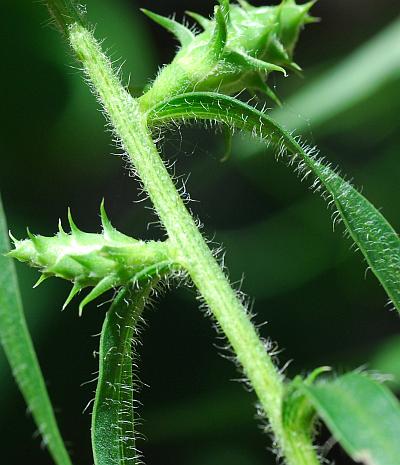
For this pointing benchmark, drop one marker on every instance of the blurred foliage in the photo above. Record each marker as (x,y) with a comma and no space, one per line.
(386,360)
(349,82)
(319,305)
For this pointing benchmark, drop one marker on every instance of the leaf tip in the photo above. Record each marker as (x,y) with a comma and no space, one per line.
(105,221)
(76,288)
(42,278)
(72,225)
(14,240)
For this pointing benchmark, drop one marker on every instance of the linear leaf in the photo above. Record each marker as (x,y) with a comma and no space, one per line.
(371,232)
(363,415)
(18,346)
(113,434)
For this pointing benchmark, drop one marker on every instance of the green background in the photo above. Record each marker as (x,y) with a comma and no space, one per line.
(303,278)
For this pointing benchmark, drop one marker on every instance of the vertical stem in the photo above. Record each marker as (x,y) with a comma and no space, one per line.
(190,248)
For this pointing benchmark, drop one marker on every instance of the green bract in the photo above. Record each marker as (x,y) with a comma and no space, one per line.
(238,48)
(105,261)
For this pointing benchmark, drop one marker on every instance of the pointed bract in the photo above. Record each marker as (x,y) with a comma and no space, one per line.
(103,286)
(108,228)
(35,240)
(31,236)
(306,7)
(74,228)
(181,32)
(203,21)
(278,50)
(60,227)
(42,278)
(76,288)
(291,19)
(13,239)
(247,63)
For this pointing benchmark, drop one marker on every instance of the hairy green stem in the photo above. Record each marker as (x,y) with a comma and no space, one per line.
(187,243)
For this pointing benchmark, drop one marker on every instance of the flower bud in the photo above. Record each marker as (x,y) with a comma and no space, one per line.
(237,49)
(102,261)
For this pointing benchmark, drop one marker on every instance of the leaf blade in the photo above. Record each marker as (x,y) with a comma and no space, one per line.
(363,415)
(372,233)
(18,346)
(113,420)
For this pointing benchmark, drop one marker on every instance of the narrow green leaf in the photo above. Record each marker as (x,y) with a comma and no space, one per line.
(113,427)
(371,232)
(17,344)
(363,415)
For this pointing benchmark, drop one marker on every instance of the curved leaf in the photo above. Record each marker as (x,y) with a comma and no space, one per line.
(371,232)
(18,346)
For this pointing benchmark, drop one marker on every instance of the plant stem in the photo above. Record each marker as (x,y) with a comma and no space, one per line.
(187,243)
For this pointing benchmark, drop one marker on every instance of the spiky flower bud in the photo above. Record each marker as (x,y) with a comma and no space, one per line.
(237,50)
(102,261)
